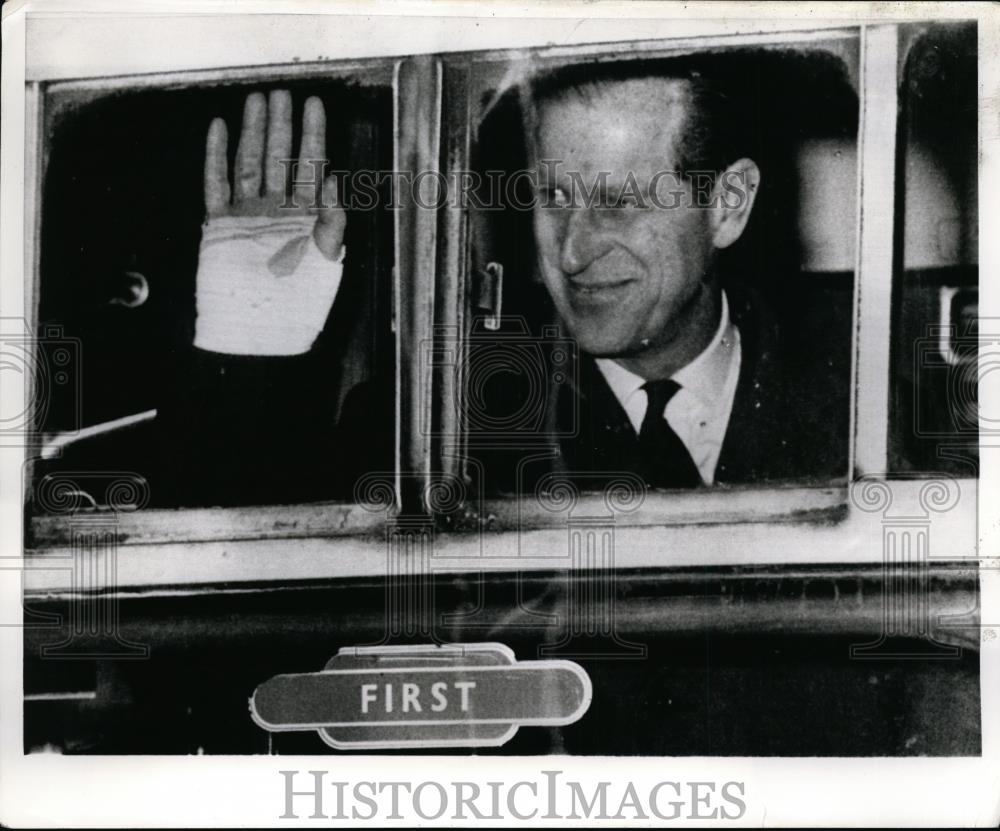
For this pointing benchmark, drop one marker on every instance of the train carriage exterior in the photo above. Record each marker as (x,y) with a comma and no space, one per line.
(821,616)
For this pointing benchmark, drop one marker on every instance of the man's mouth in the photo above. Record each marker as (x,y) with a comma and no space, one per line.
(595,289)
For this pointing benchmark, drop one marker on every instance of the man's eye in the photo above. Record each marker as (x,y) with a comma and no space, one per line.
(554,198)
(627,202)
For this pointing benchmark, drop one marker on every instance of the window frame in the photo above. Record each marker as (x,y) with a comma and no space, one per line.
(821,525)
(662,508)
(45,102)
(811,510)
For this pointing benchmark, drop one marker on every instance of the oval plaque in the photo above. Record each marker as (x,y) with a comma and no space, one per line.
(423,696)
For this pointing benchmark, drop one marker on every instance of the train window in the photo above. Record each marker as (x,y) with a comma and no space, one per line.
(653,222)
(230,363)
(934,421)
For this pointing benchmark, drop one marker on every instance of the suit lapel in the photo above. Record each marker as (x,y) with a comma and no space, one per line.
(604,440)
(753,445)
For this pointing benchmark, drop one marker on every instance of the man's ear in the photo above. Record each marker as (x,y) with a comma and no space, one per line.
(732,200)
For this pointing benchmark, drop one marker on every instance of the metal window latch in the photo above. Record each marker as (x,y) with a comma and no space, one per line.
(489,294)
(957,309)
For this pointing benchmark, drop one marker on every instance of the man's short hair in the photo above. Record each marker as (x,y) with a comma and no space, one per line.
(712,134)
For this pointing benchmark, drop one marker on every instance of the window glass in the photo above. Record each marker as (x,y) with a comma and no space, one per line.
(934,402)
(671,221)
(224,364)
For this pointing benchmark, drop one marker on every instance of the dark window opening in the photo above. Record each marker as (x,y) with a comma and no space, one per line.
(121,226)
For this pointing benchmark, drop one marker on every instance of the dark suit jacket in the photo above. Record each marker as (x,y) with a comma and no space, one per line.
(234,430)
(789,419)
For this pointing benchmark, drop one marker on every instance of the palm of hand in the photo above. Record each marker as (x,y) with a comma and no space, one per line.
(263,287)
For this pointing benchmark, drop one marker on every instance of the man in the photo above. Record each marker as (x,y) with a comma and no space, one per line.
(683,380)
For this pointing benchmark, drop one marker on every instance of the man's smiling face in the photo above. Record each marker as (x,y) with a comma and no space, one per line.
(624,278)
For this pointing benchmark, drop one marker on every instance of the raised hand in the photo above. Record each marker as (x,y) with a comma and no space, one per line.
(270,262)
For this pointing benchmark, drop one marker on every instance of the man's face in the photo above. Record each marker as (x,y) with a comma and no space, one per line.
(623,278)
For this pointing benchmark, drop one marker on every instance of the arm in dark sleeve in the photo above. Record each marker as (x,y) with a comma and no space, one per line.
(234,430)
(245,430)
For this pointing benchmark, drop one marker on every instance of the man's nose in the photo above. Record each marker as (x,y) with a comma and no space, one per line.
(583,243)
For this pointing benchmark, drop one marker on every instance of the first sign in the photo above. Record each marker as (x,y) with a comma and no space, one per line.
(423,696)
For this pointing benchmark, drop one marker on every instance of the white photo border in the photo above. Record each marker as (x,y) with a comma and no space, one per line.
(152,791)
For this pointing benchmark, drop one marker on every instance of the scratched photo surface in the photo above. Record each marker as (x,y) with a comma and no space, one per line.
(617,399)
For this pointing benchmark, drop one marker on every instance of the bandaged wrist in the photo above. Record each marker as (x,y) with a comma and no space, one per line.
(263,287)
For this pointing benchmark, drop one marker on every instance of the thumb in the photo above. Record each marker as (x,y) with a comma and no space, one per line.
(330,221)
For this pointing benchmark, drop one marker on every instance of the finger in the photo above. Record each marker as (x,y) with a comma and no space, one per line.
(312,152)
(279,140)
(330,209)
(330,221)
(250,153)
(216,172)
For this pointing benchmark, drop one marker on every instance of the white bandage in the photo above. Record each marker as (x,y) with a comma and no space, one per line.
(263,287)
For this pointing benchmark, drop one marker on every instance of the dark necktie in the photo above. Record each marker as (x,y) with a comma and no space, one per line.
(664,461)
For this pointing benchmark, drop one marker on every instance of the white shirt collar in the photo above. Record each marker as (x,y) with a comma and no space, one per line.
(699,412)
(704,377)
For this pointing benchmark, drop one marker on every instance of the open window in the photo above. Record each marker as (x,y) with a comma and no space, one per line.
(531,409)
(148,423)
